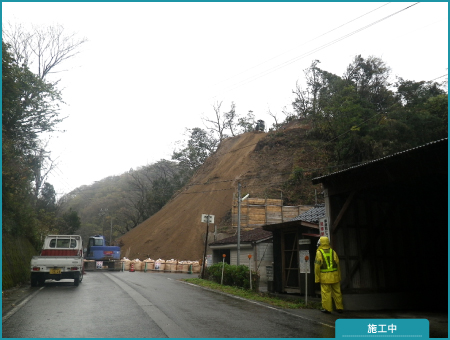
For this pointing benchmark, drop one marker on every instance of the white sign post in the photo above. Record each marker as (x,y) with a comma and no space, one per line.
(305,269)
(206,218)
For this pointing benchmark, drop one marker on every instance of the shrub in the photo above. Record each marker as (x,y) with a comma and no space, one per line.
(238,276)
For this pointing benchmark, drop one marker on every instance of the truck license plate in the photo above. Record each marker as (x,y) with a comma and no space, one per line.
(55,270)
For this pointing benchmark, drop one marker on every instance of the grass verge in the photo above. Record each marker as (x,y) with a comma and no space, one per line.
(255,296)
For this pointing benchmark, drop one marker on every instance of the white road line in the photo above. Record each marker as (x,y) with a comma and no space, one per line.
(170,328)
(20,305)
(260,304)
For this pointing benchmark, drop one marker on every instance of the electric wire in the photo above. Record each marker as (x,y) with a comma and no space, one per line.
(307,42)
(275,68)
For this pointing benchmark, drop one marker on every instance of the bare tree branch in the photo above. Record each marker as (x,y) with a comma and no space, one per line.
(43,48)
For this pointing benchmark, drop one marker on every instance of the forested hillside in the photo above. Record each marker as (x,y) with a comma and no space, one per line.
(336,121)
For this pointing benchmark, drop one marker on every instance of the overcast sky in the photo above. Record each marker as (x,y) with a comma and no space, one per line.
(151,70)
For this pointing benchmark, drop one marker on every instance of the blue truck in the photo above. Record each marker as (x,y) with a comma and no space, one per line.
(100,256)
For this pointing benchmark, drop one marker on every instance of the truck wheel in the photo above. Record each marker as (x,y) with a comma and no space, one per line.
(76,282)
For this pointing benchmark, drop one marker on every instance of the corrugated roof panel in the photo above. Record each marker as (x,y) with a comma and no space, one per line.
(318,179)
(313,215)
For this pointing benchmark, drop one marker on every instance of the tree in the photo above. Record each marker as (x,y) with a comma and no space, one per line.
(69,223)
(41,48)
(197,149)
(247,123)
(30,106)
(230,119)
(359,117)
(276,125)
(47,198)
(219,123)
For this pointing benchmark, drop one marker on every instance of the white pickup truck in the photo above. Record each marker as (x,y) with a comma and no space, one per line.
(61,258)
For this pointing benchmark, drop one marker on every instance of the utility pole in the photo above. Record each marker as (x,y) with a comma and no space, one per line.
(206,218)
(239,225)
(206,243)
(110,234)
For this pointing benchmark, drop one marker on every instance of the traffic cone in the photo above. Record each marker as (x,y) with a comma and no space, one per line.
(132,267)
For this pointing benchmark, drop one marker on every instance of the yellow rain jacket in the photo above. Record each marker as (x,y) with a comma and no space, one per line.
(326,270)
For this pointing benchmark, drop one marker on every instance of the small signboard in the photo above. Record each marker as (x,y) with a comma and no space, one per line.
(99,264)
(304,241)
(209,260)
(269,273)
(304,265)
(207,218)
(324,228)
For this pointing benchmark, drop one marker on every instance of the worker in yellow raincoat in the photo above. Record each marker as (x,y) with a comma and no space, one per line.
(328,273)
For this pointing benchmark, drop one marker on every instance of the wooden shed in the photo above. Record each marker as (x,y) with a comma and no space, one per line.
(292,241)
(389,224)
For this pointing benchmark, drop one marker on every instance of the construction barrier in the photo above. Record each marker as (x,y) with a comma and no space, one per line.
(149,265)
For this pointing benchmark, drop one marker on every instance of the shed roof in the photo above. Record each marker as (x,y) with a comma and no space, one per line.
(309,219)
(255,235)
(410,152)
(312,215)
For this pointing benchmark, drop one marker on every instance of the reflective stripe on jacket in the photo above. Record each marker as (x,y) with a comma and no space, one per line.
(328,264)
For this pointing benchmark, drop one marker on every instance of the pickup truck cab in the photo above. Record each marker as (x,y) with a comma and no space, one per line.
(61,258)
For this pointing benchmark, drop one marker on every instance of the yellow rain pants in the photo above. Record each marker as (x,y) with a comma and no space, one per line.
(331,291)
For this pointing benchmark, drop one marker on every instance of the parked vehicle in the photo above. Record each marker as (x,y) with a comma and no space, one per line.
(260,125)
(61,258)
(105,257)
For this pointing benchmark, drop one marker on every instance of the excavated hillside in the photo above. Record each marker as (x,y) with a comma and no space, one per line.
(261,162)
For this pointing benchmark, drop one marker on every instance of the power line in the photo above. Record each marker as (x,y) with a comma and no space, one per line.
(275,68)
(439,77)
(319,36)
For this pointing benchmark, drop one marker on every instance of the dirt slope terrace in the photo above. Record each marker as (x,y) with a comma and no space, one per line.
(259,161)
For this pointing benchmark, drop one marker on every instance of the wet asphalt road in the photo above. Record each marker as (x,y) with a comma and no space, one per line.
(153,305)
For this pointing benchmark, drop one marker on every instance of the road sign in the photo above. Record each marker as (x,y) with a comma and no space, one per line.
(304,265)
(207,218)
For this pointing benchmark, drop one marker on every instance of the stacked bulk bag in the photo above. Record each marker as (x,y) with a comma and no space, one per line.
(171,265)
(125,263)
(137,265)
(196,267)
(183,266)
(149,264)
(159,265)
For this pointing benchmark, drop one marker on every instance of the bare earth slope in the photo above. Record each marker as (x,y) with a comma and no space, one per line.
(176,231)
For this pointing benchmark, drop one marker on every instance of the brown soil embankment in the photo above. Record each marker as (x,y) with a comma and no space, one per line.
(255,159)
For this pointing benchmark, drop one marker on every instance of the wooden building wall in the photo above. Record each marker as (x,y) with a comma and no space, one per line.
(256,212)
(389,225)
